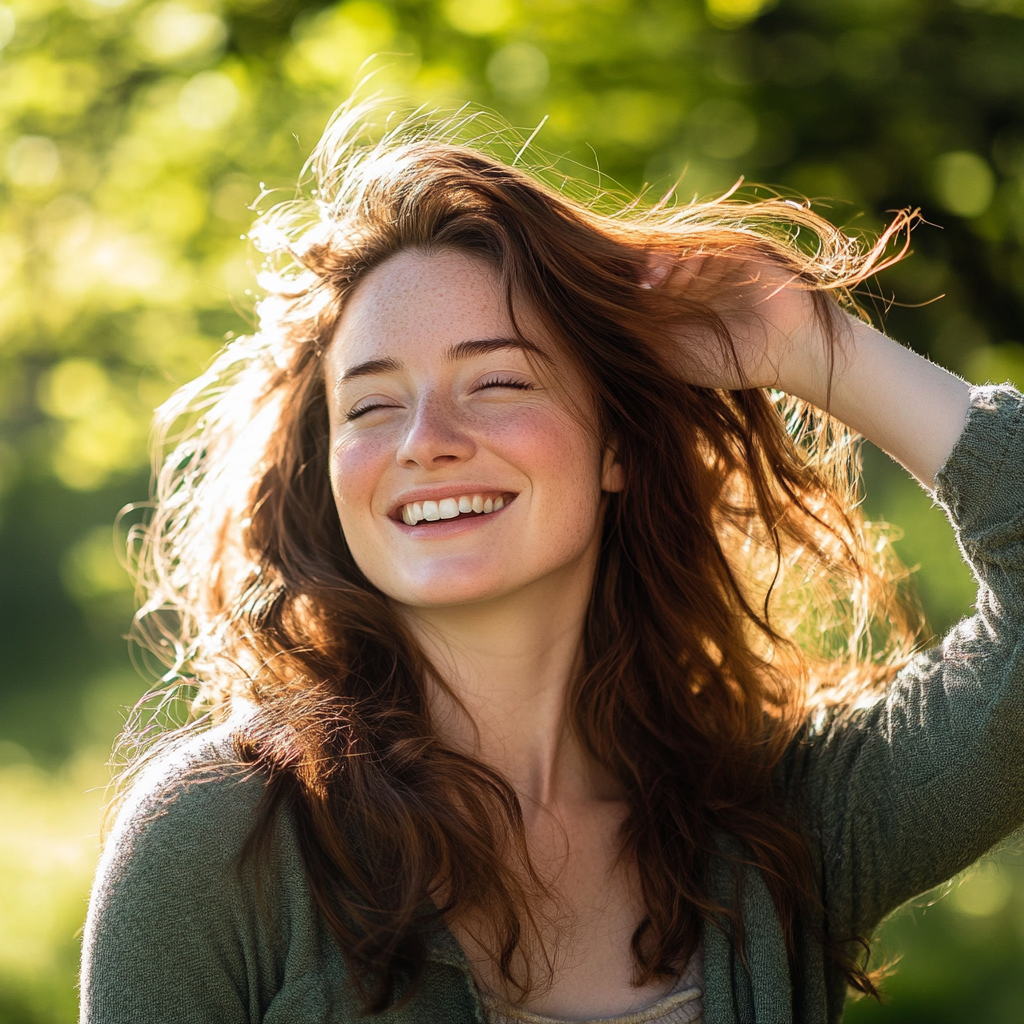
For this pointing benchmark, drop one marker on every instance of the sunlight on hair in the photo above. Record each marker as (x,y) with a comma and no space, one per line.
(250,595)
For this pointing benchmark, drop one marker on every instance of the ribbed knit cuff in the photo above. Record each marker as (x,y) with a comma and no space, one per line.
(983,478)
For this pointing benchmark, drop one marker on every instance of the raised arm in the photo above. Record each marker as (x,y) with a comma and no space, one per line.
(911,408)
(898,796)
(903,794)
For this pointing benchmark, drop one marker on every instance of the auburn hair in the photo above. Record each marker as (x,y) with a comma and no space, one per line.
(738,586)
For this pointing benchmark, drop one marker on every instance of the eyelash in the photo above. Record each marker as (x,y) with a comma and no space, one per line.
(498,382)
(356,413)
(491,382)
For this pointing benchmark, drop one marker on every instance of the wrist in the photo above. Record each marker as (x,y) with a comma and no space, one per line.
(814,359)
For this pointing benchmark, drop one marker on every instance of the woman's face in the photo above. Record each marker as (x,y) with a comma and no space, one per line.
(459,472)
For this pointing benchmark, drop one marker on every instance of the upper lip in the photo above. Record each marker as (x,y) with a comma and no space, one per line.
(438,493)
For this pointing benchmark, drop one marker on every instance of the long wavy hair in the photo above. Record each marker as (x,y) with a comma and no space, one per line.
(738,586)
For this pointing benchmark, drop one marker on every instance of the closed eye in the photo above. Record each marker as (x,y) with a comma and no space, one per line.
(363,409)
(504,382)
(490,382)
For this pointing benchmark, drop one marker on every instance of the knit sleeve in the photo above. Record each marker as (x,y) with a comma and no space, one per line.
(182,930)
(900,796)
(174,932)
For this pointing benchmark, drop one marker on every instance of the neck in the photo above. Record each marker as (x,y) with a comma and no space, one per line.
(508,663)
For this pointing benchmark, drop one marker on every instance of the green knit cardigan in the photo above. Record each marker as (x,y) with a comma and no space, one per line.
(894,798)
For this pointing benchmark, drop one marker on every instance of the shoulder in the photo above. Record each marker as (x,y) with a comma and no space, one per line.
(182,925)
(175,925)
(195,798)
(179,851)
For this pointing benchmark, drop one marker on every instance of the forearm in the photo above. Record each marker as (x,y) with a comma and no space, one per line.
(908,406)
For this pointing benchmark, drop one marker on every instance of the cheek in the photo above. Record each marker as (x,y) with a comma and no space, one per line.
(541,442)
(356,468)
(564,464)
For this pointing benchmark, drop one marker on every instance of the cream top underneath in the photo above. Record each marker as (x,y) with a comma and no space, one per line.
(683,1005)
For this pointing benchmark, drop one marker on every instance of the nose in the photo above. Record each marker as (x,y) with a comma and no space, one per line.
(435,436)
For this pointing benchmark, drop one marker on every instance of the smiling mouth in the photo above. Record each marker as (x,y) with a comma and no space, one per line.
(465,506)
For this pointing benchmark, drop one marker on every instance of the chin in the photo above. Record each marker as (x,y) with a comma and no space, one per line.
(454,582)
(450,593)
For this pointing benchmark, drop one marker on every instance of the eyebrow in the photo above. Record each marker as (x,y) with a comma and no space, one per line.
(463,350)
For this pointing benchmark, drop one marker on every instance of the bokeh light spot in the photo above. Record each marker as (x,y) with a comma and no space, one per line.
(331,45)
(172,31)
(74,388)
(208,101)
(479,17)
(734,13)
(518,71)
(984,892)
(964,183)
(33,161)
(94,448)
(7,24)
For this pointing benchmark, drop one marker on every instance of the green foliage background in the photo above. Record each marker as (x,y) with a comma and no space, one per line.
(134,136)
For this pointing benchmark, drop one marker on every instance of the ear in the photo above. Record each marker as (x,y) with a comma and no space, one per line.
(612,476)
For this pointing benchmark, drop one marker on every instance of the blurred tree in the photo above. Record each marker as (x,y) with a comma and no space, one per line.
(135,138)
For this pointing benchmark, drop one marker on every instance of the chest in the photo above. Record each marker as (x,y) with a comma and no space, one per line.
(585,928)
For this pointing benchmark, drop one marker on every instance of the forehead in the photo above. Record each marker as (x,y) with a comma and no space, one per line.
(421,311)
(416,300)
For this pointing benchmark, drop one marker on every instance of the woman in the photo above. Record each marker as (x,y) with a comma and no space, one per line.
(544,645)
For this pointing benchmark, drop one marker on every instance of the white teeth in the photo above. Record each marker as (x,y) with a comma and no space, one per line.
(449,508)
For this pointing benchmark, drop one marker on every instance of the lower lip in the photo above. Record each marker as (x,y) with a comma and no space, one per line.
(440,528)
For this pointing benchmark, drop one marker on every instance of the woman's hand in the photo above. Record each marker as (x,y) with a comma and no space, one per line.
(902,402)
(778,337)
